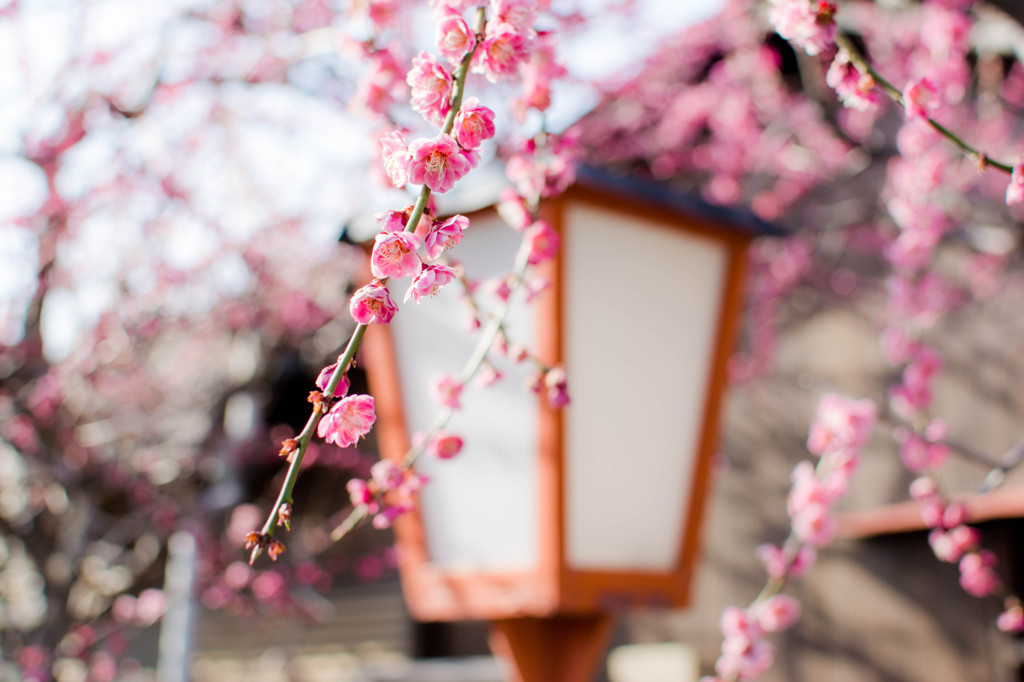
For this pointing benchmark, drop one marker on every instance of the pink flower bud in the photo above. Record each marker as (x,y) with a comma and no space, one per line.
(431,87)
(445,235)
(777,613)
(429,281)
(397,158)
(542,241)
(1012,619)
(454,38)
(446,390)
(325,377)
(473,124)
(372,304)
(445,445)
(923,488)
(1015,190)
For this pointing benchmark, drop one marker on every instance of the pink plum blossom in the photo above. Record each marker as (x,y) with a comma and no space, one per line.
(536,75)
(557,384)
(324,378)
(391,221)
(513,210)
(777,613)
(535,287)
(919,98)
(977,576)
(397,158)
(394,255)
(429,281)
(897,346)
(931,512)
(349,420)
(950,545)
(446,390)
(445,445)
(923,488)
(455,39)
(1012,619)
(431,87)
(499,286)
(520,13)
(396,221)
(1015,190)
(438,163)
(387,475)
(444,235)
(737,622)
(372,304)
(954,515)
(487,375)
(743,659)
(501,51)
(814,525)
(919,454)
(855,89)
(380,85)
(359,493)
(777,564)
(386,517)
(542,241)
(841,424)
(448,7)
(809,25)
(807,489)
(473,124)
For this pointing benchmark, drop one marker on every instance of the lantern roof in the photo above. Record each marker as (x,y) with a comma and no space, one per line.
(662,196)
(485,190)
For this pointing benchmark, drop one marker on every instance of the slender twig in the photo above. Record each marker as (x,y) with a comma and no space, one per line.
(355,341)
(469,369)
(1010,459)
(843,41)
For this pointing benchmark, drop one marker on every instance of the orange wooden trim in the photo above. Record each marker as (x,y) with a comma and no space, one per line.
(728,324)
(434,593)
(551,423)
(903,517)
(616,591)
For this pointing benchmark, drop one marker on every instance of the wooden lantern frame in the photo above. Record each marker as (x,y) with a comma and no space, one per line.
(555,588)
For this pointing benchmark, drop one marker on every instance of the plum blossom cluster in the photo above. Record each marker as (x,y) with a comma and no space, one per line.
(810,25)
(954,542)
(388,493)
(841,429)
(396,254)
(414,243)
(546,168)
(745,652)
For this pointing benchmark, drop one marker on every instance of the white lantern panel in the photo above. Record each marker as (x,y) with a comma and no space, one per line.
(480,508)
(642,304)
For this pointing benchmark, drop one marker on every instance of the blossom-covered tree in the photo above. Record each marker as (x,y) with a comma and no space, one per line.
(180,190)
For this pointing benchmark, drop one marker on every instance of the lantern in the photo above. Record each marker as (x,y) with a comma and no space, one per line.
(550,519)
